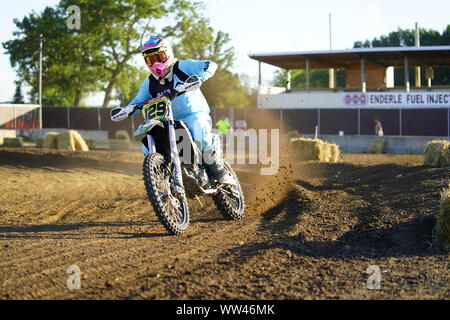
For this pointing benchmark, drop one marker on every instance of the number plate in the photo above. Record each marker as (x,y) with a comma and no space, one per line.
(156,109)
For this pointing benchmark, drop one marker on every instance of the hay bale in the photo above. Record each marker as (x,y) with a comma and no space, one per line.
(293,134)
(50,140)
(378,146)
(442,227)
(116,144)
(305,149)
(437,153)
(65,141)
(80,144)
(91,144)
(71,140)
(324,153)
(39,142)
(13,142)
(335,152)
(446,156)
(122,135)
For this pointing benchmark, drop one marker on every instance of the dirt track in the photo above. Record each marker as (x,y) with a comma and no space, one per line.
(63,208)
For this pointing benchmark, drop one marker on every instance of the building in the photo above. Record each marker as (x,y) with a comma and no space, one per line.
(408,109)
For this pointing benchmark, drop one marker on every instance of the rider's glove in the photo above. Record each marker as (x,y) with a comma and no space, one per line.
(191,84)
(119,114)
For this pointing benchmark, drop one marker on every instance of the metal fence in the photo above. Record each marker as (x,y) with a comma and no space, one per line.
(401,122)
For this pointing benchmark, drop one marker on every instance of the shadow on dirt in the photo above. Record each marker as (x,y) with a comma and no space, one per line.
(49,161)
(393,213)
(62,231)
(412,238)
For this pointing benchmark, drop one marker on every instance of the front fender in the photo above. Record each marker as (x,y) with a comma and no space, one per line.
(147,126)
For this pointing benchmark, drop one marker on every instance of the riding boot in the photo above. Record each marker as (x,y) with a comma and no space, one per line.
(215,163)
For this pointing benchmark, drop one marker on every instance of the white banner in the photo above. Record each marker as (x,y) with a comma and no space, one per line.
(318,99)
(394,99)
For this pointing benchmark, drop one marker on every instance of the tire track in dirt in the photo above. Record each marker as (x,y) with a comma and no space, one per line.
(92,259)
(105,225)
(101,263)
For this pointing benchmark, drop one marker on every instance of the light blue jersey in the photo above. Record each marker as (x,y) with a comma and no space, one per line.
(190,102)
(191,107)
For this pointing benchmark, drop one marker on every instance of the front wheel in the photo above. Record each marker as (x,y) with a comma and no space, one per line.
(172,211)
(230,199)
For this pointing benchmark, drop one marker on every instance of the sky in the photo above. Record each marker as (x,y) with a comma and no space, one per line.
(272,26)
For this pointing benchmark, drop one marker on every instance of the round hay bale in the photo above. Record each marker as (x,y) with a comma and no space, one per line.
(50,141)
(39,142)
(122,135)
(378,146)
(65,141)
(91,144)
(13,142)
(80,144)
(115,144)
(442,227)
(436,153)
(71,140)
(446,156)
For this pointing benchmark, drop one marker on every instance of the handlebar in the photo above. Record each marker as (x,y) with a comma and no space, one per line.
(171,96)
(192,83)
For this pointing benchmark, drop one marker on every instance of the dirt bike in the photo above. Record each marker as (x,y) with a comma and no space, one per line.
(162,168)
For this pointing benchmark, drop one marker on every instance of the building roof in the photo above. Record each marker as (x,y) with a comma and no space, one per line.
(383,56)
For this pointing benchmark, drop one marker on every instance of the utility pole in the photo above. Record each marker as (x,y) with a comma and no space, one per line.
(41,40)
(418,80)
(331,77)
(329,29)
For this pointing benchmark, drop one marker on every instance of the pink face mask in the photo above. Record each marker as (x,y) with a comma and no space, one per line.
(159,69)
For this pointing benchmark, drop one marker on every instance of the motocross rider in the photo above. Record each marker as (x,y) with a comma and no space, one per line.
(191,107)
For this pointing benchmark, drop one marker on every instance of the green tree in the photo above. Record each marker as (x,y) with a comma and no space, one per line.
(128,84)
(80,61)
(117,28)
(224,89)
(406,37)
(317,79)
(121,26)
(18,97)
(71,63)
(97,57)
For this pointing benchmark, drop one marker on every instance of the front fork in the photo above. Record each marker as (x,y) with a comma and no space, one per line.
(178,178)
(178,187)
(176,170)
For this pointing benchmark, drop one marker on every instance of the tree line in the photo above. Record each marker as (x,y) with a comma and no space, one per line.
(98,56)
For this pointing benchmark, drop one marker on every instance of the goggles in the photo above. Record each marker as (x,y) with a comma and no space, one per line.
(151,57)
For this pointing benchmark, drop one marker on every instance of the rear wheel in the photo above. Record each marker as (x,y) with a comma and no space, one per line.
(230,199)
(172,211)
